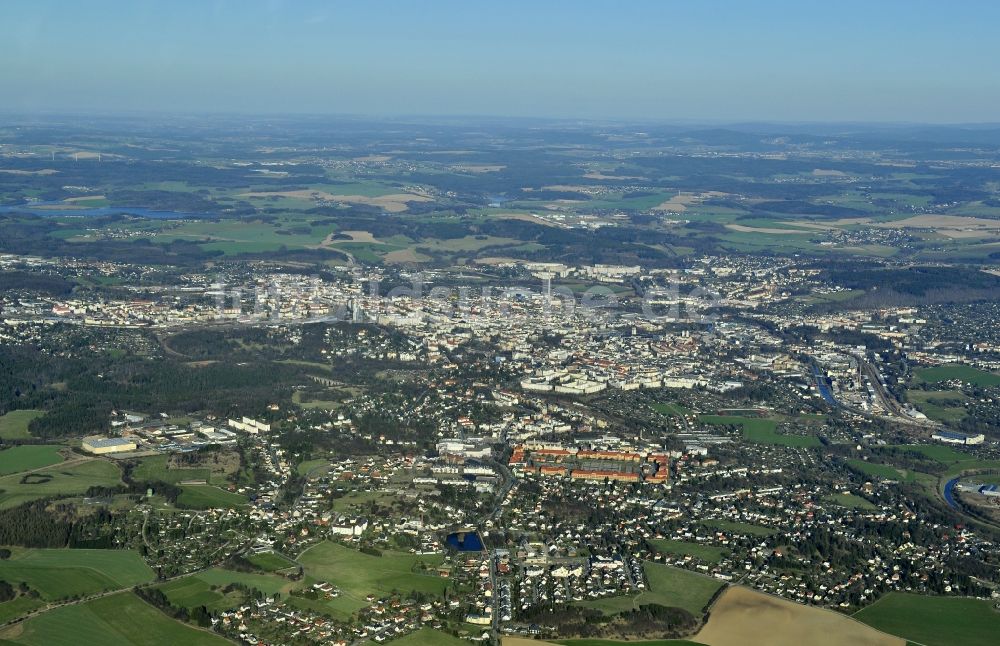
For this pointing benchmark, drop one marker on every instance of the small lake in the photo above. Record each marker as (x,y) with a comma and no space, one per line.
(465,541)
(45,209)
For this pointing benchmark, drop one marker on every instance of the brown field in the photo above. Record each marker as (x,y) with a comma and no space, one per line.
(599,175)
(44,171)
(746,229)
(572,188)
(404,256)
(942,222)
(373,158)
(394,203)
(681,201)
(478,168)
(84,198)
(745,617)
(526,217)
(822,172)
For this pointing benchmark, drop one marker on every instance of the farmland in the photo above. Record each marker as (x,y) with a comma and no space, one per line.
(57,480)
(25,458)
(206,588)
(668,586)
(934,621)
(14,425)
(116,620)
(62,573)
(428,637)
(745,616)
(358,574)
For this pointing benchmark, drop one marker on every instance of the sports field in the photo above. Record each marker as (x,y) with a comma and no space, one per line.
(58,479)
(24,458)
(668,586)
(358,575)
(14,425)
(760,430)
(934,621)
(743,617)
(116,620)
(62,573)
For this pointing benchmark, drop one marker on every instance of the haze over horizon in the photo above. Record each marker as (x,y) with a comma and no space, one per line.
(918,62)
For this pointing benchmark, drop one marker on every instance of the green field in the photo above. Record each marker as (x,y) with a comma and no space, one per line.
(56,480)
(739,528)
(850,501)
(14,425)
(208,497)
(270,561)
(968,374)
(668,586)
(117,620)
(25,458)
(875,469)
(358,575)
(760,430)
(62,573)
(427,637)
(155,468)
(670,410)
(938,404)
(197,589)
(934,621)
(18,607)
(707,553)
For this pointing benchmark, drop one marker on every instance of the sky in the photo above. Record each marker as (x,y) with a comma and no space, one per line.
(696,60)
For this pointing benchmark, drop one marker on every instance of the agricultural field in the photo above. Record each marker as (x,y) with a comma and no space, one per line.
(117,620)
(959,372)
(613,642)
(668,586)
(63,573)
(707,553)
(28,457)
(934,621)
(760,430)
(208,497)
(358,574)
(745,616)
(14,425)
(59,479)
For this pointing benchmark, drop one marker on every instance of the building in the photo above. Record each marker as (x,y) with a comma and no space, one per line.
(99,445)
(953,437)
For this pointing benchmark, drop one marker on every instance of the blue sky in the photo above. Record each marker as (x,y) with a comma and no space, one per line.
(880,60)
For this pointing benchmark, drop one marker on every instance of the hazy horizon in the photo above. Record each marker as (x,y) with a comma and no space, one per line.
(710,63)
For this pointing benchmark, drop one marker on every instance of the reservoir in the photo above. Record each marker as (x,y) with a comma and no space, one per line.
(465,541)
